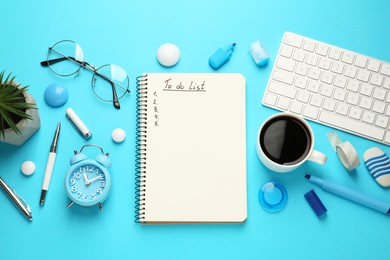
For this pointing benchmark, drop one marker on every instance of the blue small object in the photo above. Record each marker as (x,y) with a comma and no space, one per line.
(221,56)
(273,196)
(56,95)
(315,203)
(259,53)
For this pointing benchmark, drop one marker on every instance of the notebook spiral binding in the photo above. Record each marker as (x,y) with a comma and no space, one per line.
(141,133)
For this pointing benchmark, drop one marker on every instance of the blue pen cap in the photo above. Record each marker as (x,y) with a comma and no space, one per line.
(315,203)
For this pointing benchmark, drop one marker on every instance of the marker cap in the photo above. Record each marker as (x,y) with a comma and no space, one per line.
(273,196)
(315,203)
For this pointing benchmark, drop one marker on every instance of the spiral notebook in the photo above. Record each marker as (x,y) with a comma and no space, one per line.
(191,148)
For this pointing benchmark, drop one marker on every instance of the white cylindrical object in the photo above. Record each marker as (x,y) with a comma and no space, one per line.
(75,120)
(49,170)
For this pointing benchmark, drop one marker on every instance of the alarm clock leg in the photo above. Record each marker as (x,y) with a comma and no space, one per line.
(70,204)
(100,206)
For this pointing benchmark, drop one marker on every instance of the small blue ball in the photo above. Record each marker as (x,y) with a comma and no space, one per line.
(56,95)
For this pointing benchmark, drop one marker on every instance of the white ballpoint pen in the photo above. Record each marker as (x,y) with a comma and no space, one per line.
(50,164)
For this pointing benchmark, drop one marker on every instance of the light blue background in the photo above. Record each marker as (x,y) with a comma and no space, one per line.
(128,33)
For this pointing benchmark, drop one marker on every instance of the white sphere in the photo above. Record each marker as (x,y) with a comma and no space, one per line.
(28,168)
(168,55)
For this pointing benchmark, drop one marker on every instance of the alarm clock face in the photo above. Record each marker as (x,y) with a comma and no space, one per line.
(87,183)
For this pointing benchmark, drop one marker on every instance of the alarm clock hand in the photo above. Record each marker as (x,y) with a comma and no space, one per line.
(87,182)
(95,179)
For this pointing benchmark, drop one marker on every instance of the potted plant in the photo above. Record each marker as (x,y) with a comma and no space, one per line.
(19,118)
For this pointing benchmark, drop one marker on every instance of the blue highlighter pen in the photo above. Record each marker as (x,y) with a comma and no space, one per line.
(221,56)
(350,194)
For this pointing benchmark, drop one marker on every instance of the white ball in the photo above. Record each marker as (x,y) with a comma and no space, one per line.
(168,55)
(28,168)
(118,135)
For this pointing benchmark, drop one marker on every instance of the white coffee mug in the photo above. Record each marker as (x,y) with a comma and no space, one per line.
(276,125)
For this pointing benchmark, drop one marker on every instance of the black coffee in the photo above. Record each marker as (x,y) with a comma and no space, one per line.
(285,140)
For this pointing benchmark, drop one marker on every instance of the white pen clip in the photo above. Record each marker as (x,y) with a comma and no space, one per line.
(78,124)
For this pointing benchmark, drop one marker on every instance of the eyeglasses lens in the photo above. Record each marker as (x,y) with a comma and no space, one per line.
(65,58)
(107,77)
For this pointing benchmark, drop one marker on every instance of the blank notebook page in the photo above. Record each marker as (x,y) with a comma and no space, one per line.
(195,163)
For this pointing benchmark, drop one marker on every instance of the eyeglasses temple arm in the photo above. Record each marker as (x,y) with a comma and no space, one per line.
(54,61)
(115,99)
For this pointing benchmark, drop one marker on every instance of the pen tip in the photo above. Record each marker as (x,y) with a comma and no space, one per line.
(307,176)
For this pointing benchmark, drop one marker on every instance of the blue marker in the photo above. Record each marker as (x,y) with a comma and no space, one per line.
(350,194)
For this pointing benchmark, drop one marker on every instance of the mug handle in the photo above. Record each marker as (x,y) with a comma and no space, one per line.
(317,157)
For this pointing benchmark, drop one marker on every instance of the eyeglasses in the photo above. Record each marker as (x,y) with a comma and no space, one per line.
(109,82)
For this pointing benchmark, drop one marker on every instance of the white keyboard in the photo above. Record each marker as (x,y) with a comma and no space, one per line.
(331,86)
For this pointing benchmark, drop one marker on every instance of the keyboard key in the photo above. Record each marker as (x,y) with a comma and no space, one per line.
(363,75)
(327,77)
(373,65)
(339,94)
(286,64)
(283,103)
(300,82)
(324,63)
(379,93)
(335,53)
(313,86)
(361,61)
(286,51)
(387,138)
(347,57)
(385,69)
(366,90)
(316,100)
(368,117)
(301,69)
(296,107)
(326,90)
(299,55)
(270,99)
(355,112)
(329,104)
(386,83)
(342,109)
(376,79)
(352,98)
(378,107)
(303,96)
(350,71)
(293,40)
(365,102)
(311,59)
(322,49)
(309,45)
(381,121)
(353,85)
(314,73)
(337,67)
(388,111)
(340,81)
(310,112)
(352,125)
(282,89)
(283,76)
